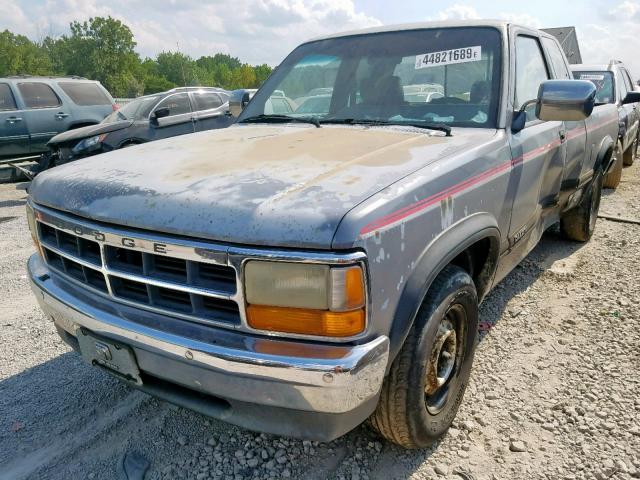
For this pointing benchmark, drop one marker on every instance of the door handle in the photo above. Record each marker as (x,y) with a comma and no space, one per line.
(61,115)
(563,135)
(14,119)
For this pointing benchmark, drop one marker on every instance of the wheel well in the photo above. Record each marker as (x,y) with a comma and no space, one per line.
(606,158)
(479,261)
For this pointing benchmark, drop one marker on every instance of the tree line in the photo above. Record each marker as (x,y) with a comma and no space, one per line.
(104,49)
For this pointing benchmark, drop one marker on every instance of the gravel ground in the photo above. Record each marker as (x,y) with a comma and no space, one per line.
(554,394)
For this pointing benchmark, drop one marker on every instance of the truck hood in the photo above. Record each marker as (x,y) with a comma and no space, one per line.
(285,185)
(90,131)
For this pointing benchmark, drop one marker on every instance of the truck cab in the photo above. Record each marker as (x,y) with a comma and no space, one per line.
(298,273)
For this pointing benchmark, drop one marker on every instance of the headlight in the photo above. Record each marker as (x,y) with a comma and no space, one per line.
(307,299)
(88,143)
(31,220)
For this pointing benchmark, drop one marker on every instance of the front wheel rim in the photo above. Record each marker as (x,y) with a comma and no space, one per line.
(445,359)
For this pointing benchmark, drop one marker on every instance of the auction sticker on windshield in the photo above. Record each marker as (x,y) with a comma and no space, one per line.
(448,57)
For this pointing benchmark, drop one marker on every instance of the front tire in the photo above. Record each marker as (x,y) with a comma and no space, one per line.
(579,223)
(427,380)
(612,178)
(630,155)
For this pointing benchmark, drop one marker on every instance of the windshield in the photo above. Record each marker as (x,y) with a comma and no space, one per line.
(604,84)
(445,76)
(138,109)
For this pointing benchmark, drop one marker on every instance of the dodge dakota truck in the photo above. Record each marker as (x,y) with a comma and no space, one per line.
(300,273)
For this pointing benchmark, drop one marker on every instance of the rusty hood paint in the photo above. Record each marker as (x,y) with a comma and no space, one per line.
(281,186)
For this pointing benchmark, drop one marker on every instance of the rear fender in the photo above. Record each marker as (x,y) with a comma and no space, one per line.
(437,255)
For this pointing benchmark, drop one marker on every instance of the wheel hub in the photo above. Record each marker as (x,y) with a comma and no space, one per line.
(443,357)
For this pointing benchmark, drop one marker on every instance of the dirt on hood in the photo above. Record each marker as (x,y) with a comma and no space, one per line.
(254,184)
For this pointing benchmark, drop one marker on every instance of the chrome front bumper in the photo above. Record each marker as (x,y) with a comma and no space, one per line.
(245,371)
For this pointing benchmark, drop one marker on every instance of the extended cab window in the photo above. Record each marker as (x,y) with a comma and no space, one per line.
(177,104)
(85,94)
(604,83)
(627,80)
(207,101)
(531,71)
(432,76)
(38,95)
(557,59)
(7,102)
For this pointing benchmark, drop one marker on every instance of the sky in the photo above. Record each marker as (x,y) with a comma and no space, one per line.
(264,31)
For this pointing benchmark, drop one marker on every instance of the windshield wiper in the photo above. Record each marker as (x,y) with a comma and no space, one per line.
(354,121)
(265,118)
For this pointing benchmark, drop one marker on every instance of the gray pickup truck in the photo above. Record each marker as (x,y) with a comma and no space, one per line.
(299,273)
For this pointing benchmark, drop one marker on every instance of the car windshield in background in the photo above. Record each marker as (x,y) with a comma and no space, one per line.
(445,76)
(604,84)
(138,109)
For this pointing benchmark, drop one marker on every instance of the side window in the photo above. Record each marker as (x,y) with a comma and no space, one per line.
(634,84)
(622,85)
(627,80)
(531,71)
(7,102)
(207,101)
(177,104)
(38,95)
(557,59)
(85,94)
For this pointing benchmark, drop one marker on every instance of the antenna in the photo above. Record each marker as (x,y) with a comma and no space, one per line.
(184,78)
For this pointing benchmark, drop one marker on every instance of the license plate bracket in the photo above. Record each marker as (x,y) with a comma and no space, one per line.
(117,358)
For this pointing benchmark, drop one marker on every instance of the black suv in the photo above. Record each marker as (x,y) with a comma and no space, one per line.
(152,117)
(614,85)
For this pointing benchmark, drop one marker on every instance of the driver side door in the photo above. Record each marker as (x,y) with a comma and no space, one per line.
(538,150)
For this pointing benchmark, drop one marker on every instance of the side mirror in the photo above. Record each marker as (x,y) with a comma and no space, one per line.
(158,114)
(559,100)
(565,100)
(239,100)
(632,97)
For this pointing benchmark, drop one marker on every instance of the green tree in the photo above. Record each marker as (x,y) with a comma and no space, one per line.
(20,55)
(262,73)
(178,68)
(102,49)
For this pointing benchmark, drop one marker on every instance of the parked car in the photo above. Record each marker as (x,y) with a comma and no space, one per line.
(35,109)
(152,117)
(313,105)
(297,275)
(422,92)
(279,104)
(614,85)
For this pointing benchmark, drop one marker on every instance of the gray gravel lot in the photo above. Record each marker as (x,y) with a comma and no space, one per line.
(554,394)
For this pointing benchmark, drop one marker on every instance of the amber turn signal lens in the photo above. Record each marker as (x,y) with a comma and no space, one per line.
(305,321)
(354,288)
(302,350)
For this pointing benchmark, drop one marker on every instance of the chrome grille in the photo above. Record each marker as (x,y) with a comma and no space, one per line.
(183,287)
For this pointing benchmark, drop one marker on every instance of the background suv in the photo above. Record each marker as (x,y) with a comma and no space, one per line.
(152,117)
(35,109)
(613,84)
